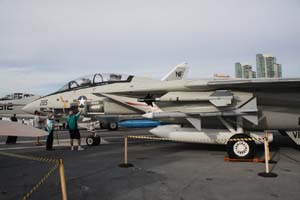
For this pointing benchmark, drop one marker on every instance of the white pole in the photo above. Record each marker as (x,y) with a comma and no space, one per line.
(125,150)
(266,155)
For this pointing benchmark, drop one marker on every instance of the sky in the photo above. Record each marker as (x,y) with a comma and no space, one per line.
(46,43)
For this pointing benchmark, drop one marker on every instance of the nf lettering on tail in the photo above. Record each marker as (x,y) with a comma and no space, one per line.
(179,74)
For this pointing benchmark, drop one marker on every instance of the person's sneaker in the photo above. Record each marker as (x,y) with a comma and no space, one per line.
(72,148)
(80,148)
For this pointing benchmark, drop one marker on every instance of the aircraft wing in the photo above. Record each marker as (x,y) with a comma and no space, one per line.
(179,72)
(272,83)
(18,129)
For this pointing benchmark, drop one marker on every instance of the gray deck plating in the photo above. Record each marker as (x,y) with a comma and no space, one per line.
(162,170)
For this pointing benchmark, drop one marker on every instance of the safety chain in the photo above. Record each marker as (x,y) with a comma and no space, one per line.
(41,181)
(180,140)
(40,159)
(248,139)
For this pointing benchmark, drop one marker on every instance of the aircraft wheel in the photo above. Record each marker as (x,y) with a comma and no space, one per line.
(241,149)
(90,140)
(113,126)
(97,140)
(103,125)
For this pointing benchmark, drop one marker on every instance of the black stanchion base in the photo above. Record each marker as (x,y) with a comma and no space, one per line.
(272,162)
(126,165)
(267,175)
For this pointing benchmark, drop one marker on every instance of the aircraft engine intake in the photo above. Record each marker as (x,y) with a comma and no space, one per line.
(94,107)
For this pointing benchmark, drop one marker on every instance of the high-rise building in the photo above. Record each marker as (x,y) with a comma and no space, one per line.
(238,70)
(244,71)
(267,67)
(277,70)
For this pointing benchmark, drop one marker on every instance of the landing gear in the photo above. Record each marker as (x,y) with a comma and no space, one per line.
(93,140)
(110,125)
(103,125)
(241,149)
(113,126)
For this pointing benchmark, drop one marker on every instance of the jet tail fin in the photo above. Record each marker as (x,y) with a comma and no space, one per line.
(179,72)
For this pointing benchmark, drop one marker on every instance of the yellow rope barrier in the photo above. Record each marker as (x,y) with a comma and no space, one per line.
(178,140)
(57,163)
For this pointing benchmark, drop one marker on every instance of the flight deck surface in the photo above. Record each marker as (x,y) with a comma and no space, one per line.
(162,170)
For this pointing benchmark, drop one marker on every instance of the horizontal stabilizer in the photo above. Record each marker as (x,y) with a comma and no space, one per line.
(9,128)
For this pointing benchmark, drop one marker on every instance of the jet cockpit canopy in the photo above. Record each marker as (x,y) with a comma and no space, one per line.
(95,80)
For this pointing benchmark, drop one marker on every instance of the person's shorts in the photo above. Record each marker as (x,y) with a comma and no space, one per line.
(74,134)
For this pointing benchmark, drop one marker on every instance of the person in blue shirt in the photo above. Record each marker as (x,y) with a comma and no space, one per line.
(73,129)
(50,129)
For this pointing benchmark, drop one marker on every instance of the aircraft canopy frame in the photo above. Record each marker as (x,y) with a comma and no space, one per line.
(95,80)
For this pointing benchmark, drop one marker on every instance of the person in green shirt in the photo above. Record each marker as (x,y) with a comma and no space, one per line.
(73,129)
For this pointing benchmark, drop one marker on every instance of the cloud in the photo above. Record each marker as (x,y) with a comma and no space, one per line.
(55,41)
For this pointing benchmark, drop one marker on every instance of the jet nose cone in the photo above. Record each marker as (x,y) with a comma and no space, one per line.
(30,108)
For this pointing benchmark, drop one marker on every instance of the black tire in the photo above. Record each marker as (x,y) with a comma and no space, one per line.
(103,125)
(90,140)
(113,126)
(241,149)
(97,140)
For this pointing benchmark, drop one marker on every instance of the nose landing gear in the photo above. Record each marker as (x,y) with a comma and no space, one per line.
(93,140)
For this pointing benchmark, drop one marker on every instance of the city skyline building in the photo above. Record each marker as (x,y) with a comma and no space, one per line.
(277,70)
(244,71)
(267,67)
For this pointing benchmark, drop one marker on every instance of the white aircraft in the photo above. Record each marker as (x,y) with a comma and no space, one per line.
(13,104)
(215,111)
(82,93)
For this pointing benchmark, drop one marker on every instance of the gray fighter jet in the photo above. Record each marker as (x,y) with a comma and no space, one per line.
(13,103)
(88,95)
(215,111)
(201,111)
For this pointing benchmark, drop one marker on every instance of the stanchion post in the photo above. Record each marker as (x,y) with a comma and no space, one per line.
(267,173)
(125,164)
(125,150)
(267,147)
(266,154)
(62,180)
